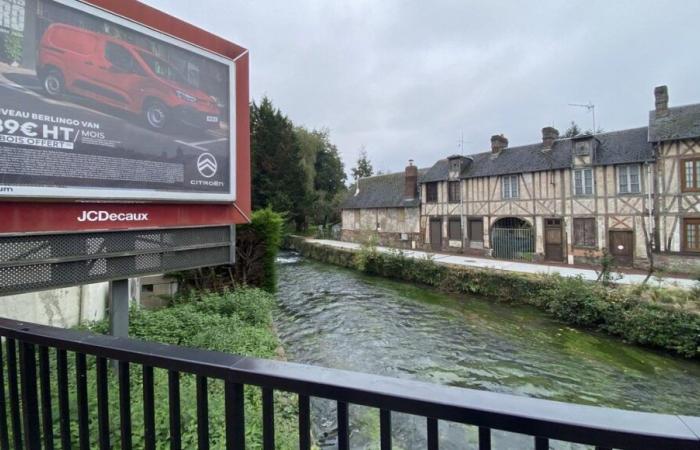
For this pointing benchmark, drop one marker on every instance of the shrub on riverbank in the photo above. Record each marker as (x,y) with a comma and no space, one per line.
(257,245)
(656,317)
(236,322)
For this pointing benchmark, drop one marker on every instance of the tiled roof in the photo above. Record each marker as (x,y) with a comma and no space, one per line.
(617,147)
(682,122)
(624,147)
(381,191)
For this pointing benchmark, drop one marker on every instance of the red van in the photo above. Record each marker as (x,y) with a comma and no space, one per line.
(122,75)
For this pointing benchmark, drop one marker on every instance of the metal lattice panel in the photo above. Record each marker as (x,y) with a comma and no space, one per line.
(30,263)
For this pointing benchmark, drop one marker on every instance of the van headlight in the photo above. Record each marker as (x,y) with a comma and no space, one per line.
(186,97)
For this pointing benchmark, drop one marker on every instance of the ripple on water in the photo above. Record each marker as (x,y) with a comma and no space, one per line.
(338,318)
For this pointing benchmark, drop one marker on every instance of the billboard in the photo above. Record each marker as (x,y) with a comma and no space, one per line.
(94,106)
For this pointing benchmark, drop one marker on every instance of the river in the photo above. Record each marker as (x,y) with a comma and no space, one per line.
(335,317)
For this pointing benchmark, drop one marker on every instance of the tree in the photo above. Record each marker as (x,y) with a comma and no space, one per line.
(364,166)
(277,164)
(573,130)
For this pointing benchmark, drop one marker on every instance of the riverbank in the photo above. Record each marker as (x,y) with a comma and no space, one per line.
(238,322)
(661,318)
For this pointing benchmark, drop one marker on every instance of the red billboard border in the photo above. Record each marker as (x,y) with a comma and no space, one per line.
(33,216)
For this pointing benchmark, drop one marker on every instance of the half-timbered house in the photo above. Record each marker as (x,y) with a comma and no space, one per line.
(568,200)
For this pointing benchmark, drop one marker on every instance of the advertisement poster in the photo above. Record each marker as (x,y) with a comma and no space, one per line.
(93,106)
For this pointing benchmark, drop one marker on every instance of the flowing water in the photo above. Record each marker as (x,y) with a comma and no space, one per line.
(335,317)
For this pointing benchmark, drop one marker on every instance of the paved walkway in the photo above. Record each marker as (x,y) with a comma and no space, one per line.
(516,266)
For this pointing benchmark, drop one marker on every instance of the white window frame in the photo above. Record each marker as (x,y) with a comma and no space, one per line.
(624,179)
(510,186)
(586,187)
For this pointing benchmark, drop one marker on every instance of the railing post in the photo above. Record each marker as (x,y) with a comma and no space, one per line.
(433,441)
(343,426)
(82,400)
(30,400)
(63,407)
(235,419)
(174,406)
(46,408)
(202,414)
(304,422)
(484,438)
(13,391)
(385,429)
(102,403)
(149,420)
(268,412)
(4,435)
(125,404)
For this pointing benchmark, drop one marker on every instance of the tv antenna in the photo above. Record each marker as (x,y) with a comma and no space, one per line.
(591,109)
(461,142)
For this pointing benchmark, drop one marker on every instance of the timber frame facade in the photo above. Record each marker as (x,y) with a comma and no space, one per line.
(625,192)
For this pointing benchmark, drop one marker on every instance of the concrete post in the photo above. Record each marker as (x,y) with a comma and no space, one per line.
(119,308)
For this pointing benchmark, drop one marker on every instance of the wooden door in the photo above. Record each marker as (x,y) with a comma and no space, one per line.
(476,230)
(621,246)
(436,234)
(553,240)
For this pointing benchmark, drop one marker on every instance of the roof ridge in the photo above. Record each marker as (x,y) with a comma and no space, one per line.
(564,139)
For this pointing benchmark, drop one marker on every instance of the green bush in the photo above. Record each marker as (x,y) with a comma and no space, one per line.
(257,246)
(236,322)
(574,300)
(652,316)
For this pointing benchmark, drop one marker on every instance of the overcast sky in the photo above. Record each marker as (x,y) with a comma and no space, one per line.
(404,79)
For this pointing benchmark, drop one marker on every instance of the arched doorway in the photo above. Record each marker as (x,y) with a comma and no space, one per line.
(513,238)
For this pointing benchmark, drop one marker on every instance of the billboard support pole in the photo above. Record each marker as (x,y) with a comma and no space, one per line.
(119,308)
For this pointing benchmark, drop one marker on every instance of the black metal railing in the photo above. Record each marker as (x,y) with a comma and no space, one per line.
(31,423)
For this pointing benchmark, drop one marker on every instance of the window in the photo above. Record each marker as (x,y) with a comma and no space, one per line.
(691,235)
(584,232)
(431,192)
(454,230)
(120,57)
(628,179)
(690,175)
(583,181)
(453,191)
(509,186)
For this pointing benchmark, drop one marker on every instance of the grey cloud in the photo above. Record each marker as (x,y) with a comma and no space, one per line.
(404,78)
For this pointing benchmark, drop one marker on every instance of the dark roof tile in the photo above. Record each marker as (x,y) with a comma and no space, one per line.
(381,191)
(682,122)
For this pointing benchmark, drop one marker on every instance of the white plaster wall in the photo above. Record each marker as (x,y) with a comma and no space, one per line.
(66,307)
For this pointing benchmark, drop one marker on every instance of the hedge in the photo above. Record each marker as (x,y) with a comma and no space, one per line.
(625,312)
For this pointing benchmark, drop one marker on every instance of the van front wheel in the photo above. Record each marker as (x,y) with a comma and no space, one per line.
(53,83)
(156,114)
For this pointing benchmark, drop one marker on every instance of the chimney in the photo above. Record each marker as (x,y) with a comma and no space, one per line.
(498,143)
(411,181)
(661,100)
(549,135)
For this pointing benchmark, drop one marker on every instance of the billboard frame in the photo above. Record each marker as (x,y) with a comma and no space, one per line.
(104,10)
(47,214)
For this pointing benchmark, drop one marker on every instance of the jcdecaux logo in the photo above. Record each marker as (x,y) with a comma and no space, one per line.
(106,216)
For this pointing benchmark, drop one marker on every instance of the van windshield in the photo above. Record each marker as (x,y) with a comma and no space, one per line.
(162,68)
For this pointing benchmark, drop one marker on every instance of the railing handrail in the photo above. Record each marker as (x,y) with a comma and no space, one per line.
(593,425)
